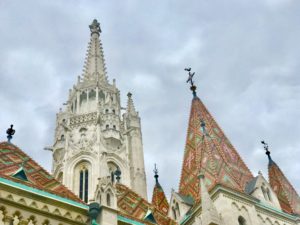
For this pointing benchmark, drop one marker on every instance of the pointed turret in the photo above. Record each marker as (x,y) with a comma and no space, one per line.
(94,67)
(130,106)
(209,214)
(210,152)
(288,197)
(159,199)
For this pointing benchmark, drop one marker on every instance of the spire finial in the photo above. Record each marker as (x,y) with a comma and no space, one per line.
(155,173)
(190,80)
(266,147)
(95,27)
(10,132)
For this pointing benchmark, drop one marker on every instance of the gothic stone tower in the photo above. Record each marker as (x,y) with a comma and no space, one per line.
(92,138)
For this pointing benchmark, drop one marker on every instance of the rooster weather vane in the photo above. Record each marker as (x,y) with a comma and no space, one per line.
(190,80)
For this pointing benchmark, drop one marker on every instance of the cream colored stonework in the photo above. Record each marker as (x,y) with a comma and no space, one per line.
(93,124)
(230,207)
(20,207)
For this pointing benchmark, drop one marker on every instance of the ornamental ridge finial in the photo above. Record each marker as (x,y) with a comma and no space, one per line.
(95,27)
(10,132)
(191,81)
(266,147)
(155,173)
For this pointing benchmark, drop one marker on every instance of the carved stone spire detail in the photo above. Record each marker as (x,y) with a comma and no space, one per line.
(94,67)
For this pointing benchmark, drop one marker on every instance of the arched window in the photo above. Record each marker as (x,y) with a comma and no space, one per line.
(83,184)
(174,213)
(264,193)
(242,221)
(83,97)
(177,209)
(62,137)
(92,95)
(107,126)
(269,194)
(108,199)
(101,95)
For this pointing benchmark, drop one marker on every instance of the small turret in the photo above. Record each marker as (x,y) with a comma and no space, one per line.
(159,199)
(130,106)
(209,214)
(288,197)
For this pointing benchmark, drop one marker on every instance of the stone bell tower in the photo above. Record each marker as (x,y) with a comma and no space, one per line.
(93,138)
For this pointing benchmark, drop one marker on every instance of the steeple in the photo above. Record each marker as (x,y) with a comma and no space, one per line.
(288,197)
(94,67)
(210,152)
(159,199)
(130,106)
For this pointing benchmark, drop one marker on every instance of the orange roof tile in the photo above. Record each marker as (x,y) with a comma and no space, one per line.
(288,198)
(209,151)
(134,206)
(13,158)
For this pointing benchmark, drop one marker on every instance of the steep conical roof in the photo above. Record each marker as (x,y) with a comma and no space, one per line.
(208,151)
(159,199)
(288,198)
(94,67)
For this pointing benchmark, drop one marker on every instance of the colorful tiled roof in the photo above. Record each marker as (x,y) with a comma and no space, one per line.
(132,206)
(288,198)
(208,151)
(13,160)
(159,199)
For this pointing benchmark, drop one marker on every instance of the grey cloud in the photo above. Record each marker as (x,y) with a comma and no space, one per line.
(245,54)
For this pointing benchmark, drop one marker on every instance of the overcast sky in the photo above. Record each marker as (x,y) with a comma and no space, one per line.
(245,54)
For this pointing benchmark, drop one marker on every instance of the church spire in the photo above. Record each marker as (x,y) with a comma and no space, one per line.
(210,152)
(288,197)
(159,199)
(94,67)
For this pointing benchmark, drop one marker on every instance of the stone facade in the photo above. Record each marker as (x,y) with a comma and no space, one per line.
(26,208)
(93,137)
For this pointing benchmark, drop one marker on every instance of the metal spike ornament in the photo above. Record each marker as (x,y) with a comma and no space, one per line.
(266,147)
(10,132)
(191,81)
(155,173)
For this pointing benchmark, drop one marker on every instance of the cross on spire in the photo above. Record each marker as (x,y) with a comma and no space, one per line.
(10,132)
(191,81)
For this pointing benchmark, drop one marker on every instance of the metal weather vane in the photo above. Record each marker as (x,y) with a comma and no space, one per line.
(266,147)
(10,132)
(190,80)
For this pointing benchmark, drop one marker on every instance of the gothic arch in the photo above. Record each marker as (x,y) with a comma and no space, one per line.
(22,201)
(82,179)
(117,160)
(268,221)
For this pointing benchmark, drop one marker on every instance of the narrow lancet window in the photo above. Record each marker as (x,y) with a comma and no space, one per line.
(84,184)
